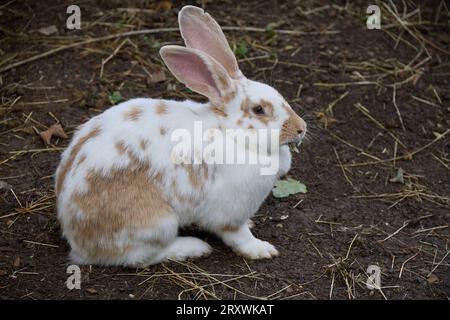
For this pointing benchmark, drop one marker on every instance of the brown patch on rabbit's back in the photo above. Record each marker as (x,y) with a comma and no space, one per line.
(161,108)
(195,179)
(125,201)
(67,165)
(143,144)
(121,147)
(134,113)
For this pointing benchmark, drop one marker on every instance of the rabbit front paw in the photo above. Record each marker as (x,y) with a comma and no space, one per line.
(257,249)
(242,241)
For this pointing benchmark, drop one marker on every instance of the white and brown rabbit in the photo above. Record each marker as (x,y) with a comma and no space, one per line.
(121,197)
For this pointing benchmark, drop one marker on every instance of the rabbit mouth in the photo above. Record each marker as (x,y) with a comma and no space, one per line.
(295,143)
(293,146)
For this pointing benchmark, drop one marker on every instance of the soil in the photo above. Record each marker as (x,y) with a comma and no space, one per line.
(353,214)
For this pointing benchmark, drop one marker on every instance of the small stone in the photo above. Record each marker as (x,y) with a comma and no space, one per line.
(5,186)
(309,100)
(432,279)
(156,76)
(48,31)
(91,291)
(28,130)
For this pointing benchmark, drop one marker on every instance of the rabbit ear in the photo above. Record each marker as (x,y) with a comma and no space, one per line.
(200,31)
(198,72)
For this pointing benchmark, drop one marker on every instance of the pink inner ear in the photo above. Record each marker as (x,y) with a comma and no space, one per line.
(190,69)
(201,32)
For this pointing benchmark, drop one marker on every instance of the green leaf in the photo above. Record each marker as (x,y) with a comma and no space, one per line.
(152,42)
(274,55)
(399,178)
(241,50)
(284,188)
(115,97)
(121,23)
(270,29)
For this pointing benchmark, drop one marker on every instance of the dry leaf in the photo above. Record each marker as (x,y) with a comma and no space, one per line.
(416,78)
(164,6)
(408,156)
(325,119)
(157,76)
(54,130)
(16,262)
(432,279)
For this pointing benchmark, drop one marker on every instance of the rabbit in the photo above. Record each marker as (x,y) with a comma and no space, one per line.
(121,197)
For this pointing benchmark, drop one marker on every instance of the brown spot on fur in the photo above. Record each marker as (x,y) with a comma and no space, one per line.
(194,179)
(227,97)
(292,126)
(162,131)
(247,105)
(121,148)
(250,127)
(82,159)
(239,122)
(143,144)
(115,204)
(161,108)
(268,107)
(219,111)
(65,167)
(229,228)
(133,114)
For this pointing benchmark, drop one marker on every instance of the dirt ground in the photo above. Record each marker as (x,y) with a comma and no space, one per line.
(376,163)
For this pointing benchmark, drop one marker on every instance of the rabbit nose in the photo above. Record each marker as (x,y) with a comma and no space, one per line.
(301,130)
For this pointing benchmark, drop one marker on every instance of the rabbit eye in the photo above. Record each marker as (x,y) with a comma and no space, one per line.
(258,110)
